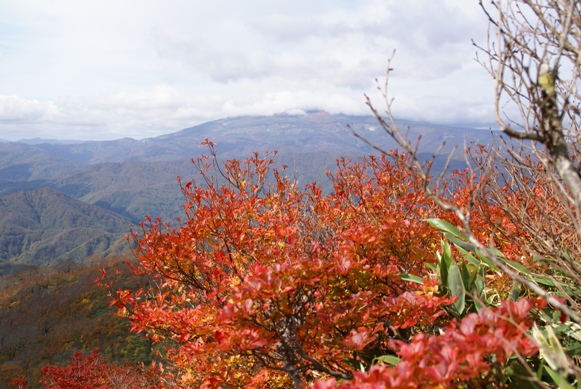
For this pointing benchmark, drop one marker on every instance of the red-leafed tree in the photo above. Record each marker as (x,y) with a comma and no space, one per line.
(267,285)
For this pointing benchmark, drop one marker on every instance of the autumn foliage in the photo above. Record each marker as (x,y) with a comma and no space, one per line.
(470,353)
(91,372)
(264,284)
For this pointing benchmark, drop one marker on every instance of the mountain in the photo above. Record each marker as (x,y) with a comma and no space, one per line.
(26,166)
(44,226)
(105,173)
(124,180)
(132,189)
(313,133)
(241,136)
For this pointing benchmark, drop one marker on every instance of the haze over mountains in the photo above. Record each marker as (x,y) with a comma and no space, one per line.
(98,189)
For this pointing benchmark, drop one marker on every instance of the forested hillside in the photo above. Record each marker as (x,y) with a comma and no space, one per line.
(44,227)
(48,313)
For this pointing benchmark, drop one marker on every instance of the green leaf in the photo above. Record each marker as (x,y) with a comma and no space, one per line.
(473,277)
(443,225)
(431,266)
(456,287)
(543,280)
(573,350)
(515,291)
(486,261)
(460,243)
(443,274)
(468,257)
(446,254)
(465,276)
(517,266)
(559,380)
(389,359)
(497,252)
(550,349)
(411,278)
(570,329)
(479,282)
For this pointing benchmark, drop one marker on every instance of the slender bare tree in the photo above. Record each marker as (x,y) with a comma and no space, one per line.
(535,59)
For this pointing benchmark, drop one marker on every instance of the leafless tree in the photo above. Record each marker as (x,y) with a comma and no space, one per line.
(535,60)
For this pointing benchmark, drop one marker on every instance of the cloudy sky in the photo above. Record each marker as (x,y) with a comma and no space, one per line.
(139,68)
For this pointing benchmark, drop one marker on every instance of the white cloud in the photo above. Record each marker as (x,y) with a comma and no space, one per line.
(15,108)
(117,68)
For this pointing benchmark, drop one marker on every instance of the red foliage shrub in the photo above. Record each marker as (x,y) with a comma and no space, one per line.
(91,372)
(470,351)
(266,283)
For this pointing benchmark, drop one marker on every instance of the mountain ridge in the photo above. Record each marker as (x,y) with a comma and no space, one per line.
(133,178)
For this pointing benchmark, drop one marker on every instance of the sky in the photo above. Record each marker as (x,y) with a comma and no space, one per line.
(108,69)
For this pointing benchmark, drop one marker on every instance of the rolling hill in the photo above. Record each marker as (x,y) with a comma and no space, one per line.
(43,226)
